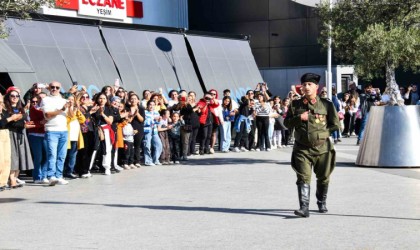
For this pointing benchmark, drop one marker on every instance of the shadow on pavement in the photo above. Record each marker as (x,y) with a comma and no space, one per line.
(226,161)
(10,200)
(338,164)
(285,213)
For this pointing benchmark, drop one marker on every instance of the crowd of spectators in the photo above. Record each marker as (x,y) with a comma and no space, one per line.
(55,135)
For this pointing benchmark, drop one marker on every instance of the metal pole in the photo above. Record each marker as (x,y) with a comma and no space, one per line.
(329,73)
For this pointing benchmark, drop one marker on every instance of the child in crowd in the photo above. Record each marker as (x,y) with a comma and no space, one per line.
(128,134)
(278,123)
(164,126)
(175,137)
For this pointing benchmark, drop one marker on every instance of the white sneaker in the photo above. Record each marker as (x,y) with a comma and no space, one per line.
(52,181)
(137,165)
(236,150)
(149,164)
(126,167)
(268,149)
(211,151)
(252,149)
(88,175)
(244,149)
(61,181)
(132,166)
(158,163)
(118,168)
(176,162)
(20,181)
(107,172)
(43,181)
(258,150)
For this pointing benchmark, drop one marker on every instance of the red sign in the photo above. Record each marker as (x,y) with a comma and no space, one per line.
(134,8)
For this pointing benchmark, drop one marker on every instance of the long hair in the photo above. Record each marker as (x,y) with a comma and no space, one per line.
(79,97)
(107,104)
(264,97)
(8,105)
(229,107)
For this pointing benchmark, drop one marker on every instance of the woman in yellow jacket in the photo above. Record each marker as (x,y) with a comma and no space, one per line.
(75,137)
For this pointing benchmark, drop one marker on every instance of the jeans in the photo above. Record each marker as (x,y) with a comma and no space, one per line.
(241,135)
(193,138)
(85,155)
(152,141)
(336,135)
(185,142)
(226,135)
(70,158)
(263,123)
(138,140)
(56,152)
(166,148)
(128,156)
(205,137)
(38,146)
(362,126)
(175,145)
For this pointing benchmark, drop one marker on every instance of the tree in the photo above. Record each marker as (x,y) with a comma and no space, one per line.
(377,36)
(20,9)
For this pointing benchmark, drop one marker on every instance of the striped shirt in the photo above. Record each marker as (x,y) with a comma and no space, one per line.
(263,110)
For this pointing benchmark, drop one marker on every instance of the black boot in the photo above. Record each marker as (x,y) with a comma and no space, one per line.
(321,196)
(304,194)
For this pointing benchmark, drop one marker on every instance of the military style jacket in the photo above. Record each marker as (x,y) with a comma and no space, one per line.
(313,135)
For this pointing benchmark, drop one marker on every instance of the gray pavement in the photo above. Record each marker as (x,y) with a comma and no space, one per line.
(221,201)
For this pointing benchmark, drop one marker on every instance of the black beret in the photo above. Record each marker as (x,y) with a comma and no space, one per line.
(310,77)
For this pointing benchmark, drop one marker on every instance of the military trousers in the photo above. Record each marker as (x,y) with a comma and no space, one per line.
(322,164)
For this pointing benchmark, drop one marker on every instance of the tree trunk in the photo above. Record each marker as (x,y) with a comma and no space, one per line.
(392,88)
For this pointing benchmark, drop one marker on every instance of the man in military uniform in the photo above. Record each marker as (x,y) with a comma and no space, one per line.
(313,119)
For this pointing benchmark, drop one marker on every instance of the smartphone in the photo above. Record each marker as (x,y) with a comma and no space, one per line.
(75,83)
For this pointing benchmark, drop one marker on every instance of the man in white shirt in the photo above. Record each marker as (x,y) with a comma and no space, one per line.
(54,108)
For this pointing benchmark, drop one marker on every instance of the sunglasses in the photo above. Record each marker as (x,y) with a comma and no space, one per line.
(15,96)
(34,101)
(85,96)
(55,87)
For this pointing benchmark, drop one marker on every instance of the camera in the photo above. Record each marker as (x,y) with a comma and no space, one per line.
(208,98)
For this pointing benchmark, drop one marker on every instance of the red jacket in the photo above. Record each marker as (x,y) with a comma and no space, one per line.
(205,111)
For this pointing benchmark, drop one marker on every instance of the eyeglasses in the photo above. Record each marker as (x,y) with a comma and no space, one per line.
(85,96)
(55,87)
(15,96)
(34,101)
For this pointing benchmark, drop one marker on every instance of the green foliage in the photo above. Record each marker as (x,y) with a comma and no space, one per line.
(20,9)
(373,34)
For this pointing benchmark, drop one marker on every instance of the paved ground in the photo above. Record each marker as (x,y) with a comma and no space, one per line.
(222,201)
